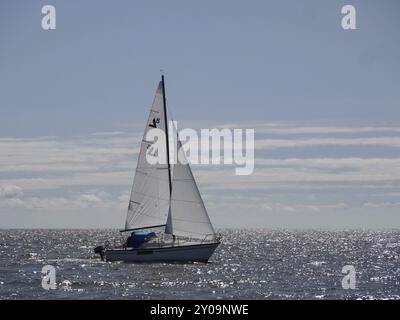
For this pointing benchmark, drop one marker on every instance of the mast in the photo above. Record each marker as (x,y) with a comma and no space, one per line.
(166,134)
(169,221)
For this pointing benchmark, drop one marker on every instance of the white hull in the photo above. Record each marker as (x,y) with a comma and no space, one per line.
(182,253)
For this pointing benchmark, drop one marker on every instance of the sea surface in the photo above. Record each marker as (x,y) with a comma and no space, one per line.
(249,264)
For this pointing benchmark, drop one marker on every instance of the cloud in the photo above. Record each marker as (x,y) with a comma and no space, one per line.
(269,173)
(90,200)
(325,207)
(284,129)
(85,200)
(87,179)
(266,144)
(278,207)
(32,170)
(36,203)
(387,194)
(381,204)
(331,163)
(306,173)
(10,191)
(124,198)
(63,154)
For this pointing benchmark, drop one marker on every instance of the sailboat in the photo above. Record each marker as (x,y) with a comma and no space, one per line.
(164,197)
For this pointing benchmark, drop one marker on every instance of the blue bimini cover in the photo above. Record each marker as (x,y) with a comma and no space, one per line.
(139,237)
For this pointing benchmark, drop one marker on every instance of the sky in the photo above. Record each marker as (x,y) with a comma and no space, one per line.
(324,103)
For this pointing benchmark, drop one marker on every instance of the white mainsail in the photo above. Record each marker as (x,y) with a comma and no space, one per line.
(187,216)
(150,196)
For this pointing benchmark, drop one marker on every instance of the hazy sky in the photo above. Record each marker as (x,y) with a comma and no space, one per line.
(325,104)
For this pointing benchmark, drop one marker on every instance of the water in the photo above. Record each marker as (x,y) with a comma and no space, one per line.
(249,264)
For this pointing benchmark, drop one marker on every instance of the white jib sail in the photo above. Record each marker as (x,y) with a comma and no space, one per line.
(188,215)
(150,196)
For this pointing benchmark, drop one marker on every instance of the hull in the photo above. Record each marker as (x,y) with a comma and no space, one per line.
(183,253)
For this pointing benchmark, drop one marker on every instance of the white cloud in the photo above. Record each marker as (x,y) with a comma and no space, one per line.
(95,179)
(269,173)
(124,198)
(284,129)
(279,207)
(381,204)
(331,163)
(387,194)
(64,154)
(306,173)
(37,165)
(36,203)
(85,200)
(10,191)
(90,200)
(266,144)
(325,207)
